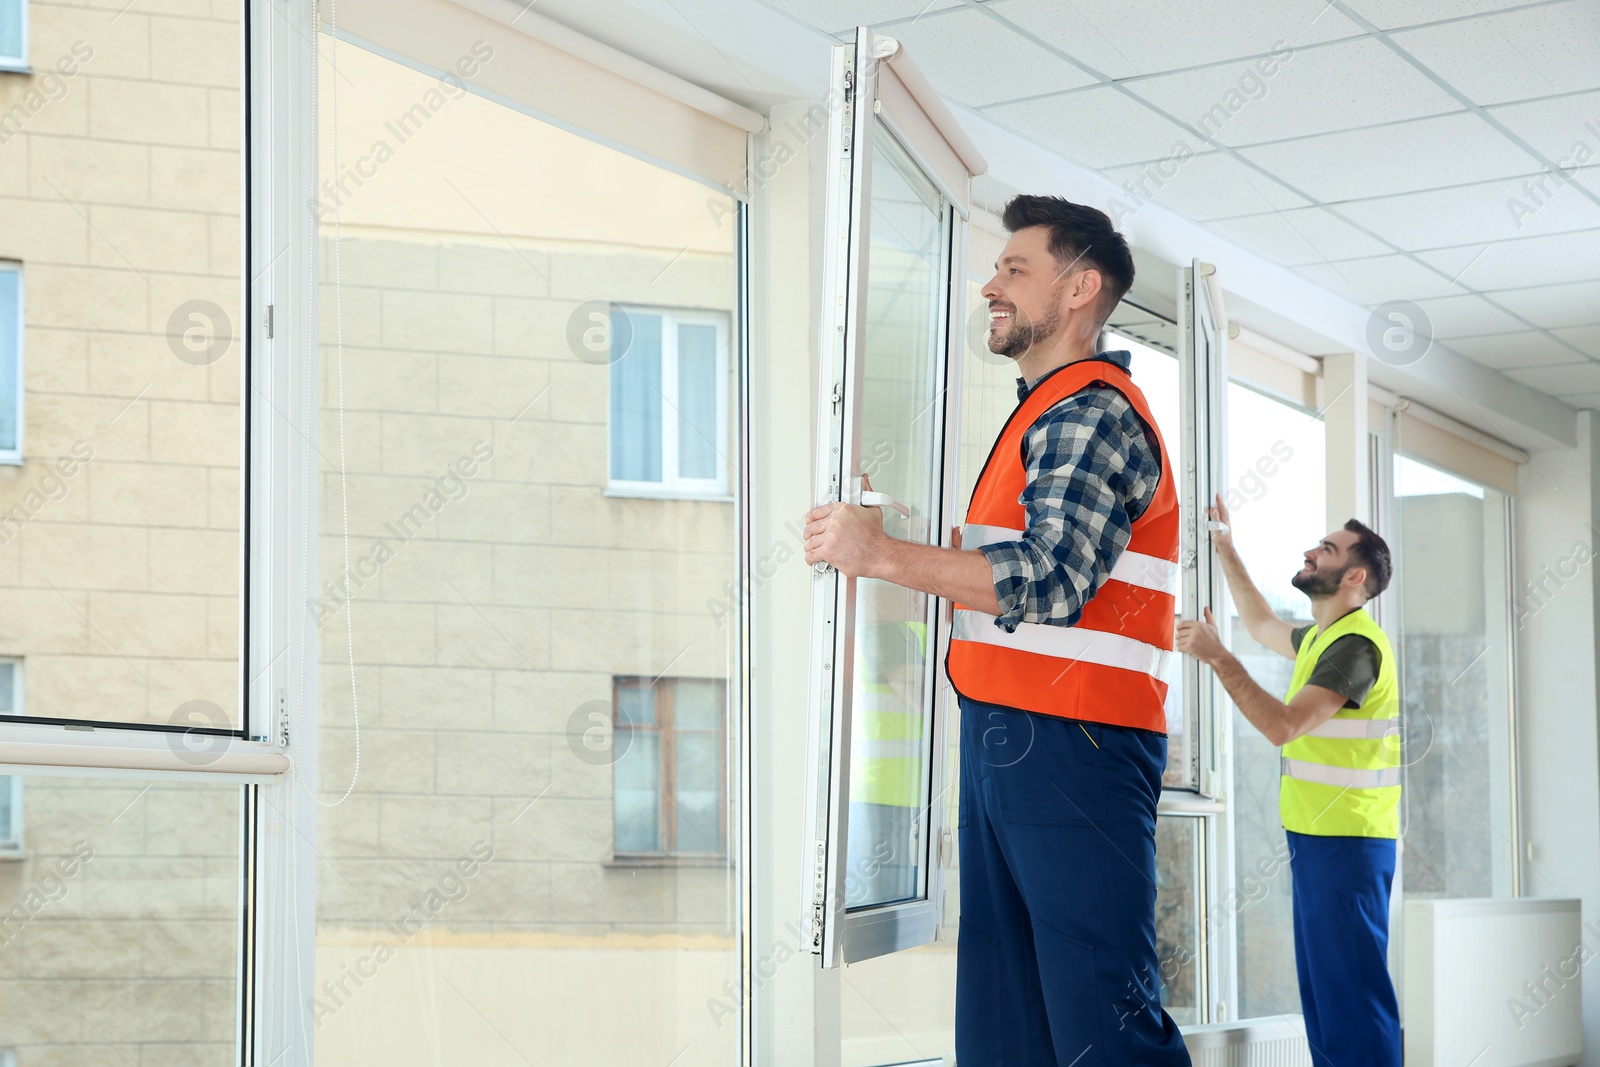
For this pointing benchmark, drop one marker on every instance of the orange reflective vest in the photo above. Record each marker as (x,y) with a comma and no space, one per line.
(1109,666)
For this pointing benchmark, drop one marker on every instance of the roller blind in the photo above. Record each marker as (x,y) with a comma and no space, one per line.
(1422,434)
(516,57)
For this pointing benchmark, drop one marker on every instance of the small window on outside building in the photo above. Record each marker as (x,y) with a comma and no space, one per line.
(10,356)
(668,780)
(10,785)
(669,403)
(13,40)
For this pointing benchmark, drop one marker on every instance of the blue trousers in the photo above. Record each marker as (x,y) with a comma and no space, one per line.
(1341,945)
(1056,961)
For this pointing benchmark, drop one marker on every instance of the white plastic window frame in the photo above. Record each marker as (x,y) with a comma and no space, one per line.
(1202,336)
(18,63)
(13,456)
(836,935)
(672,486)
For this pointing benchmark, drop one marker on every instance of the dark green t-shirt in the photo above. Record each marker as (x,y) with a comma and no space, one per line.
(1349,666)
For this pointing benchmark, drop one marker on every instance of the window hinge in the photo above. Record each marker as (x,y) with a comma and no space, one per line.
(283,719)
(267,320)
(838,396)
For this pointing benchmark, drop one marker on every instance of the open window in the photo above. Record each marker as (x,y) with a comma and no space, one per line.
(898,194)
(1203,377)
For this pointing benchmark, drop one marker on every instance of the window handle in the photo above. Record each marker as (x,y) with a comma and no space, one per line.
(872,499)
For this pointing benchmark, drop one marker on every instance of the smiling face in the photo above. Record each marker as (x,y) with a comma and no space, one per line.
(1326,566)
(1031,299)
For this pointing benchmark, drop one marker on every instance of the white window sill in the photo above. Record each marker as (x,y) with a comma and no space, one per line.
(626,492)
(10,459)
(12,66)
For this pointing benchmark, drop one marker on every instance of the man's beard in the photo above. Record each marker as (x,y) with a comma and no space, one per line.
(1318,583)
(1022,336)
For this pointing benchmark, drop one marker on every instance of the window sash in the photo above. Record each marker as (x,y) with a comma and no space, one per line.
(668,425)
(665,730)
(12,332)
(14,51)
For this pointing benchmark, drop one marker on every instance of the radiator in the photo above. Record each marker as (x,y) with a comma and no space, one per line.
(1494,983)
(1276,1042)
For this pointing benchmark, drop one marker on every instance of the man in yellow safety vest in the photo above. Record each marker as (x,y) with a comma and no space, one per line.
(1339,793)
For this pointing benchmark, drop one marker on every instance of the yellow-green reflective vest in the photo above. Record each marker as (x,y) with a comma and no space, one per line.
(886,757)
(1343,778)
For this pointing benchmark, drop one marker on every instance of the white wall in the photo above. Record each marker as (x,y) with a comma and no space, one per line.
(1559,592)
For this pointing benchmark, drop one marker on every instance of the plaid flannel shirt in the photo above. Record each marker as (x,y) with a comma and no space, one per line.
(1092,471)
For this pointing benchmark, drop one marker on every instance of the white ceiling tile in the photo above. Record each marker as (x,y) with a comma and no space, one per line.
(1393,14)
(1466,316)
(1514,55)
(1586,338)
(1164,35)
(1507,350)
(1209,186)
(1555,306)
(944,48)
(1401,158)
(1306,235)
(1317,90)
(832,16)
(1097,127)
(1381,278)
(1546,260)
(1565,128)
(1560,381)
(1471,214)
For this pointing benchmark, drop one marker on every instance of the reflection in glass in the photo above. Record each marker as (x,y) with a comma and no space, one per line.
(121,927)
(1276,496)
(900,455)
(1453,642)
(1179,876)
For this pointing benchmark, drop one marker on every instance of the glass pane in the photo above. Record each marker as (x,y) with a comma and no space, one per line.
(892,702)
(8,688)
(1156,374)
(636,704)
(11,29)
(121,936)
(638,791)
(698,796)
(1276,496)
(636,397)
(1179,845)
(1452,643)
(10,293)
(8,812)
(490,639)
(697,401)
(698,704)
(125,512)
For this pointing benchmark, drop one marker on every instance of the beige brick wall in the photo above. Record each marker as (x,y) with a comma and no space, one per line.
(513,605)
(120,199)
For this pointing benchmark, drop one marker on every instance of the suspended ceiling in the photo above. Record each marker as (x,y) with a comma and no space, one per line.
(1443,152)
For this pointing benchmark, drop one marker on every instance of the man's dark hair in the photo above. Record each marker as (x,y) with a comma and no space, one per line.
(1372,552)
(1080,236)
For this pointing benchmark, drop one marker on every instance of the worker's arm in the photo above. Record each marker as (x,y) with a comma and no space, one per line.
(1281,723)
(851,538)
(1259,619)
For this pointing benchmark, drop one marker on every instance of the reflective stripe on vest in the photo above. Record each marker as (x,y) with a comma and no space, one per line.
(1352,729)
(1342,777)
(1109,665)
(1134,568)
(1064,642)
